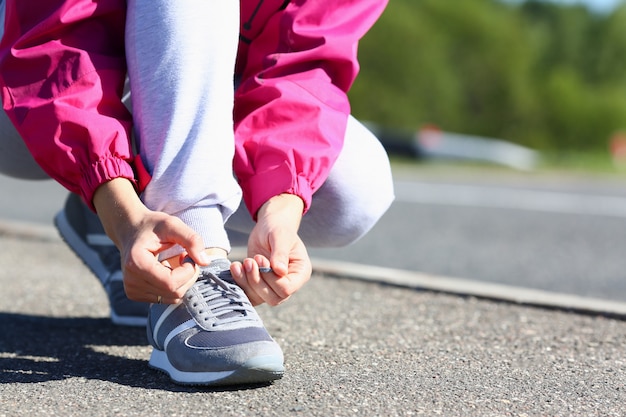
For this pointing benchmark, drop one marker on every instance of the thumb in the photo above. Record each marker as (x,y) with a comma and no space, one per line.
(195,250)
(279,258)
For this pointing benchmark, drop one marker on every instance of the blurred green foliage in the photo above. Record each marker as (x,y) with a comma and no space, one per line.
(548,76)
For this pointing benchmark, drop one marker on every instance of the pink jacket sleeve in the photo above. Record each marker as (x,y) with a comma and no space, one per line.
(62,69)
(291,106)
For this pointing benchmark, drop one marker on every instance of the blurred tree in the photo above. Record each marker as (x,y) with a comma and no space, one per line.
(544,75)
(609,64)
(575,74)
(564,33)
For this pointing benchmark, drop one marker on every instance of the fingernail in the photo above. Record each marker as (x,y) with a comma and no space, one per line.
(248,265)
(204,258)
(188,260)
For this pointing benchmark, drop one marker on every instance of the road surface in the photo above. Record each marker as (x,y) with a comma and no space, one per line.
(555,232)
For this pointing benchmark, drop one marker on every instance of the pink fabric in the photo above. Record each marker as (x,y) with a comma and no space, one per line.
(291,106)
(62,70)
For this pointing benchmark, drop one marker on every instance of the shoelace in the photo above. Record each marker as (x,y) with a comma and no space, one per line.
(226,302)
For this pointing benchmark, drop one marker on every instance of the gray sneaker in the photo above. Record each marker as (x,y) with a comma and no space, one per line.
(82,231)
(215,337)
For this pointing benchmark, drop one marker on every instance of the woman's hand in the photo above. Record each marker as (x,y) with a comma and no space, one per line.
(274,242)
(141,234)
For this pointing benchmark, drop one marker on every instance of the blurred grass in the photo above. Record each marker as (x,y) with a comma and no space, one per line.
(578,164)
(590,162)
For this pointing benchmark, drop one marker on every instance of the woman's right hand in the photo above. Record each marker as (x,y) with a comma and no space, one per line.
(141,235)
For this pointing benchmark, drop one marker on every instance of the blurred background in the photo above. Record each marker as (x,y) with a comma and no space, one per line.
(505,122)
(547,75)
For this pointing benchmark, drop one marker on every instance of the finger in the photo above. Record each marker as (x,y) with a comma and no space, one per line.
(282,286)
(262,283)
(263,263)
(279,257)
(299,274)
(183,277)
(174,231)
(165,294)
(196,251)
(239,275)
(158,299)
(144,291)
(147,277)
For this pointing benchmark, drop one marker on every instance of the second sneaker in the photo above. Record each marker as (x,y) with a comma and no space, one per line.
(82,231)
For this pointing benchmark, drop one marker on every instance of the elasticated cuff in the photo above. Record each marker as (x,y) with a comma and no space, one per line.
(106,169)
(279,180)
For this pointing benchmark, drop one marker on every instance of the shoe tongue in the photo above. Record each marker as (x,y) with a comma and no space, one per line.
(221,269)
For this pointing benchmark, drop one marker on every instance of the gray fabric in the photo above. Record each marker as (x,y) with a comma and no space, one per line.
(182,83)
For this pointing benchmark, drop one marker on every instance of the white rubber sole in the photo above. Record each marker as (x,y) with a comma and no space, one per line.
(130,321)
(262,369)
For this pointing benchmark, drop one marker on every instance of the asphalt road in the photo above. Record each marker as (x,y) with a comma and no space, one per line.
(352,349)
(549,231)
(554,232)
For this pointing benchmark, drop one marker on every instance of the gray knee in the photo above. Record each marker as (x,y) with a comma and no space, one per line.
(357,193)
(347,217)
(15,159)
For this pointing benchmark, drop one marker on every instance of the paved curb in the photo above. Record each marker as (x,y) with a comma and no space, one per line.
(464,287)
(26,230)
(401,278)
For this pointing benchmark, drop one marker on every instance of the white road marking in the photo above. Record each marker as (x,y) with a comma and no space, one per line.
(510,198)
